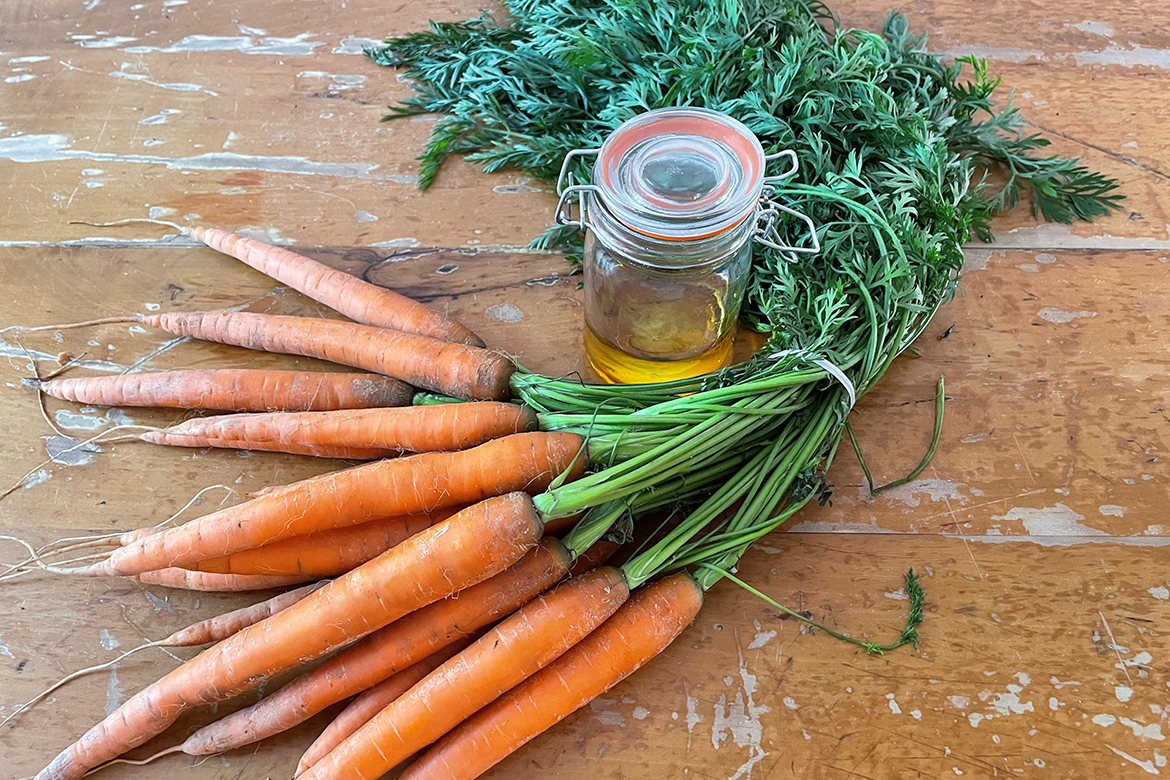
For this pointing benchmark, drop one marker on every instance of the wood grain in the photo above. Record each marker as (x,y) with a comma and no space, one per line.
(1040,527)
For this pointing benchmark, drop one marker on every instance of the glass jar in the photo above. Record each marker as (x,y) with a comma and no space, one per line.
(676,197)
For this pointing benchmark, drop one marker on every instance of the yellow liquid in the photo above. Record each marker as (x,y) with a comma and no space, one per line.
(616,366)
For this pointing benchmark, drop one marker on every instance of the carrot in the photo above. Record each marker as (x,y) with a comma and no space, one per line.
(371,702)
(463,550)
(504,657)
(324,553)
(214,629)
(653,617)
(355,298)
(419,483)
(204,632)
(453,369)
(386,652)
(185,579)
(233,390)
(388,432)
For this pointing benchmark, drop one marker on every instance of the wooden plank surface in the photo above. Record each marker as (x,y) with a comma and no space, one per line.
(1040,526)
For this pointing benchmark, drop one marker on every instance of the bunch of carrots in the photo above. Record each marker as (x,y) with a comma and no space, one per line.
(439,593)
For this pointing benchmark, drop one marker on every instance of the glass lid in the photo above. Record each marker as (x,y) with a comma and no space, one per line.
(680,173)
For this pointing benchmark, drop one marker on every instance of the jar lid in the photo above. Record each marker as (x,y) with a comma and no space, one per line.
(680,173)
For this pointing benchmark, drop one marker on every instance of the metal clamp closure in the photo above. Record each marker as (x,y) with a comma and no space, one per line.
(766,232)
(564,212)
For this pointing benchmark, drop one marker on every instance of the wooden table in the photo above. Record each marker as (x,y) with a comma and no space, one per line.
(1040,528)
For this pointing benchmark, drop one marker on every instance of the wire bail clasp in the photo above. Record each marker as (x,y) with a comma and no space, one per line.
(766,232)
(566,189)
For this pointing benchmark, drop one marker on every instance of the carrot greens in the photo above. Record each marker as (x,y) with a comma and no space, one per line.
(895,147)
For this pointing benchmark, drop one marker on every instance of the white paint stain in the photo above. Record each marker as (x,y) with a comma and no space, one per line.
(897,595)
(1111,510)
(916,714)
(1029,268)
(107,641)
(396,243)
(894,708)
(1057,684)
(65,451)
(4,649)
(606,714)
(693,716)
(1053,703)
(1141,659)
(1148,766)
(1122,692)
(1160,592)
(518,187)
(761,639)
(740,720)
(1132,57)
(52,148)
(1142,731)
(30,59)
(232,137)
(1060,316)
(38,477)
(19,78)
(1058,520)
(790,703)
(960,702)
(354,45)
(159,604)
(245,44)
(1104,719)
(364,216)
(998,53)
(504,312)
(339,81)
(935,489)
(114,695)
(640,713)
(975,719)
(160,118)
(973,438)
(177,86)
(1052,235)
(1093,28)
(105,43)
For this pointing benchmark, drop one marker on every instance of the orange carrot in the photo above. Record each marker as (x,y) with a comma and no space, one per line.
(504,657)
(355,298)
(385,432)
(324,553)
(233,390)
(371,702)
(386,652)
(185,579)
(480,541)
(419,483)
(222,626)
(441,366)
(653,617)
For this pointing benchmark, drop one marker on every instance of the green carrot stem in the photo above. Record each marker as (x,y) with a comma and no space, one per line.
(940,400)
(909,635)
